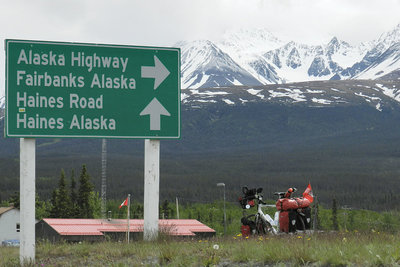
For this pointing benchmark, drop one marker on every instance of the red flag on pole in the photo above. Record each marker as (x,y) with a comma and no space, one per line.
(308,194)
(125,203)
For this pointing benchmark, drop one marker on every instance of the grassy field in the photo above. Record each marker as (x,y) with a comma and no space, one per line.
(323,249)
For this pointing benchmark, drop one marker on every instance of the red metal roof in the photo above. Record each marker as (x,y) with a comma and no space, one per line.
(182,227)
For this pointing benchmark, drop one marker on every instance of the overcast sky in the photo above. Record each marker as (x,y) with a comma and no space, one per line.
(164,22)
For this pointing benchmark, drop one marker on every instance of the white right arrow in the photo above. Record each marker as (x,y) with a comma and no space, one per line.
(159,72)
(155,110)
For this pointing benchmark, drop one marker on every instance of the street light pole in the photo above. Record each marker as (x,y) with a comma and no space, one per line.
(223,185)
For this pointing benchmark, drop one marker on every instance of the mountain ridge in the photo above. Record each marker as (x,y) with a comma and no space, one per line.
(272,61)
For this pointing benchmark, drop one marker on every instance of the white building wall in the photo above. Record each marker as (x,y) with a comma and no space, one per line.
(8,225)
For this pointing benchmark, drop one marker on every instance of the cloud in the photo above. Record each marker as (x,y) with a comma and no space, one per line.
(168,21)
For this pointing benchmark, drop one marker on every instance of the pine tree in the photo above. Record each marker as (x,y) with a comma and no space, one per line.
(42,208)
(54,212)
(61,202)
(84,195)
(64,200)
(95,204)
(74,197)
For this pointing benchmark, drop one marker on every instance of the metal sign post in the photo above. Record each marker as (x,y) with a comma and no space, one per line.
(151,188)
(27,200)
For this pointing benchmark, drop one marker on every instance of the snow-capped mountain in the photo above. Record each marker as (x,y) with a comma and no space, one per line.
(246,47)
(204,64)
(2,106)
(383,58)
(382,64)
(249,55)
(2,101)
(299,62)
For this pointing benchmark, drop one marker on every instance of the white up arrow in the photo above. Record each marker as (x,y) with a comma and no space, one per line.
(159,72)
(155,110)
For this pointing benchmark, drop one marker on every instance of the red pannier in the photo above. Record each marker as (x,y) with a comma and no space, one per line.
(288,221)
(284,221)
(245,229)
(292,203)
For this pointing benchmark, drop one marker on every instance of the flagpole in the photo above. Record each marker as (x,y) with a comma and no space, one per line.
(129,206)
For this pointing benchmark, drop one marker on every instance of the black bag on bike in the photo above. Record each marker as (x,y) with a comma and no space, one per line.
(247,221)
(307,218)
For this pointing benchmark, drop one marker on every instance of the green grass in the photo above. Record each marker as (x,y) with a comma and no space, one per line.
(323,249)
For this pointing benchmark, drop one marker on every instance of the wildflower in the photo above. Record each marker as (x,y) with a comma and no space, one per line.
(239,235)
(216,247)
(200,241)
(234,237)
(260,238)
(299,237)
(309,238)
(344,240)
(247,237)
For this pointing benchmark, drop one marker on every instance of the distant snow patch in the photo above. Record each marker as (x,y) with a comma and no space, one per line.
(378,107)
(184,96)
(294,94)
(236,82)
(253,91)
(321,101)
(243,100)
(367,96)
(209,93)
(206,101)
(315,91)
(229,102)
(393,93)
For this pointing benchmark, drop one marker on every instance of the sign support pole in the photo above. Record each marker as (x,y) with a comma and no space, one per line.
(151,188)
(27,200)
(128,217)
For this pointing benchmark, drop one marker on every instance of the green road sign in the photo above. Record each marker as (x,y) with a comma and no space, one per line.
(56,89)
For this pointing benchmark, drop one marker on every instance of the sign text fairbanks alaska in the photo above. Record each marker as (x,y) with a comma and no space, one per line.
(56,89)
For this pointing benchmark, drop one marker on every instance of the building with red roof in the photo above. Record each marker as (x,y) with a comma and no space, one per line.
(75,230)
(9,223)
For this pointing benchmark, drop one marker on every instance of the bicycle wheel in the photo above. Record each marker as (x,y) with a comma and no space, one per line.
(300,225)
(250,221)
(262,227)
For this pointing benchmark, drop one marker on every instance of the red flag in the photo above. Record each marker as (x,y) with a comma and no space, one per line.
(125,203)
(308,194)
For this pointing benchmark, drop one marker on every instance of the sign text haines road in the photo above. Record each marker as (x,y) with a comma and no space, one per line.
(56,89)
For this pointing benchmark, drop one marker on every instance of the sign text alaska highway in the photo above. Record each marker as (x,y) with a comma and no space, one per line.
(56,89)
